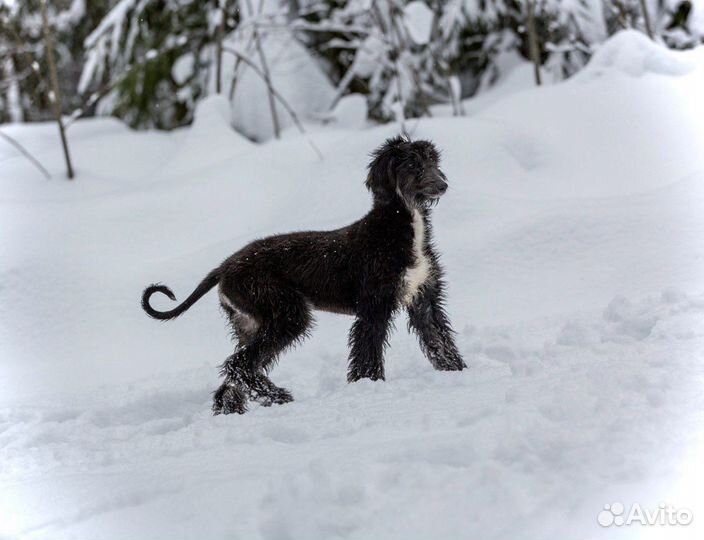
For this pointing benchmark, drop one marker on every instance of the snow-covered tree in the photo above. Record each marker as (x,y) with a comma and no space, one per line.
(407,55)
(24,86)
(151,58)
(397,53)
(679,22)
(271,77)
(150,61)
(566,31)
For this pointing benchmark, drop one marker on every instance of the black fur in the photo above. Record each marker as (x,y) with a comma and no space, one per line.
(270,287)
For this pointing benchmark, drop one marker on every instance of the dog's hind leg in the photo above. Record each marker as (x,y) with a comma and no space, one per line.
(285,318)
(230,397)
(233,393)
(244,326)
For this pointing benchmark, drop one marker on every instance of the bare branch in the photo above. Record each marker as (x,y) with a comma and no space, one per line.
(533,43)
(22,150)
(266,73)
(267,80)
(275,93)
(56,92)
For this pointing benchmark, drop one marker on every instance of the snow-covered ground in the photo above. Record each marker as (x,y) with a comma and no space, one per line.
(573,236)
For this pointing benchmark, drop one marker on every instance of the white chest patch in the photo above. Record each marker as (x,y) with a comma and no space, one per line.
(416,275)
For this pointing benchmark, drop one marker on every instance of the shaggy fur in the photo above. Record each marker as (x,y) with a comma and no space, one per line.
(370,269)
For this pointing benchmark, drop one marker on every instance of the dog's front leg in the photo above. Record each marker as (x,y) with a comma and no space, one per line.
(368,337)
(427,318)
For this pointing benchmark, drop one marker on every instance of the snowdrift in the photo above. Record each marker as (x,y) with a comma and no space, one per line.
(572,236)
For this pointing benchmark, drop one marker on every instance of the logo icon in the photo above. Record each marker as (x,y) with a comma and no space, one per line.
(612,514)
(664,514)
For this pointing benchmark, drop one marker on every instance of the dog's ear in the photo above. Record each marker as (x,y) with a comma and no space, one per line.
(381,179)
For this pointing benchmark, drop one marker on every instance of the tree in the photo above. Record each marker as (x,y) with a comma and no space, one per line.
(150,61)
(155,56)
(24,90)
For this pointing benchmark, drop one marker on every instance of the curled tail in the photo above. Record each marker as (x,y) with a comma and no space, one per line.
(203,287)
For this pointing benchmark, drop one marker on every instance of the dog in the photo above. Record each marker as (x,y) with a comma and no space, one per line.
(371,269)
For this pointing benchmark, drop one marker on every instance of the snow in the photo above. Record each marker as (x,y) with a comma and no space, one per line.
(63,20)
(419,21)
(351,112)
(368,57)
(634,54)
(183,68)
(571,235)
(294,75)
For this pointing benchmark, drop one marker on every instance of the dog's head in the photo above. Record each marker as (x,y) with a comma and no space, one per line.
(407,170)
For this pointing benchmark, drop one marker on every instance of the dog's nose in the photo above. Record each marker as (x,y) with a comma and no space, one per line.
(442,187)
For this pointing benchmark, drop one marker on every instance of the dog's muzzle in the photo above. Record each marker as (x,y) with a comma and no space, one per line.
(437,189)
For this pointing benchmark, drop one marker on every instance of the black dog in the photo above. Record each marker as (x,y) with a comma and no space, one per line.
(370,269)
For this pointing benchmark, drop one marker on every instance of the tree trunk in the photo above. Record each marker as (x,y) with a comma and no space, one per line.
(218,50)
(646,16)
(56,92)
(533,43)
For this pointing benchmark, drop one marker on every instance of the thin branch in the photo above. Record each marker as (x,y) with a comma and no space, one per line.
(349,75)
(235,74)
(275,93)
(267,73)
(56,91)
(267,80)
(236,69)
(533,40)
(22,150)
(347,78)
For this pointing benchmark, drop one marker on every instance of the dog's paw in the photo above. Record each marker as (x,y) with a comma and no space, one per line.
(280,396)
(265,392)
(374,373)
(450,362)
(273,395)
(229,399)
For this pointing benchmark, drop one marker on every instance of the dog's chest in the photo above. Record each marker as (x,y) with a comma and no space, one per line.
(419,272)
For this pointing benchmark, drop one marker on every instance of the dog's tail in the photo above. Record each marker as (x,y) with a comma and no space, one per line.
(203,287)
